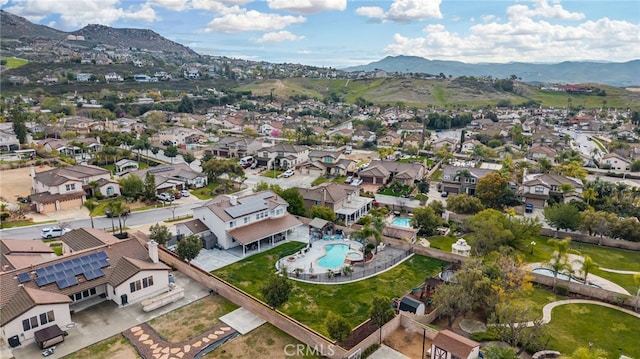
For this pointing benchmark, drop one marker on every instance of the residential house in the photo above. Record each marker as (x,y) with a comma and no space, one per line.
(125,165)
(382,172)
(343,199)
(282,155)
(198,228)
(330,163)
(449,345)
(414,140)
(248,221)
(177,176)
(81,147)
(363,135)
(8,141)
(537,188)
(615,162)
(66,187)
(538,151)
(18,253)
(83,77)
(270,128)
(178,135)
(235,147)
(390,139)
(46,294)
(448,143)
(461,179)
(469,145)
(410,127)
(113,77)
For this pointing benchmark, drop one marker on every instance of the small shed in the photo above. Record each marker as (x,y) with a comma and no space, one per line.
(49,336)
(408,304)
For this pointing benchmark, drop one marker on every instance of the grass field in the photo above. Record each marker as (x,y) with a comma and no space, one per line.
(13,62)
(311,303)
(116,347)
(575,325)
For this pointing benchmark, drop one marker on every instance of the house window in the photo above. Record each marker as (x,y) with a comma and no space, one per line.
(70,187)
(30,323)
(539,189)
(246,220)
(109,191)
(135,286)
(47,317)
(447,177)
(232,224)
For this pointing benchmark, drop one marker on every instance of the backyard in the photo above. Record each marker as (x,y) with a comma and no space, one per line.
(116,347)
(311,303)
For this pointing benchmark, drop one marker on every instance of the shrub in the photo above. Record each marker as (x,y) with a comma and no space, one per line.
(487,336)
(370,350)
(562,290)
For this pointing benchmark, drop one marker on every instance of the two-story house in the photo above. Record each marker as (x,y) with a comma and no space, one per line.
(66,187)
(235,147)
(252,220)
(461,179)
(539,151)
(330,163)
(177,176)
(615,162)
(44,295)
(390,139)
(343,199)
(537,188)
(382,171)
(282,155)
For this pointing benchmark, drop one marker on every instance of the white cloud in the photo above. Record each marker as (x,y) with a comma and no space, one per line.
(308,6)
(251,20)
(304,52)
(404,11)
(544,10)
(74,14)
(488,18)
(177,5)
(526,39)
(3,2)
(370,11)
(279,36)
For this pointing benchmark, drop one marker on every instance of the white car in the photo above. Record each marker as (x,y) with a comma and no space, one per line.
(288,173)
(53,232)
(185,193)
(165,197)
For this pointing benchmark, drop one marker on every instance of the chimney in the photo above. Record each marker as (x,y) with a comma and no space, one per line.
(233,200)
(153,251)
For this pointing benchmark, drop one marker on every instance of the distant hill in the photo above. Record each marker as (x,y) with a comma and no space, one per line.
(26,33)
(614,74)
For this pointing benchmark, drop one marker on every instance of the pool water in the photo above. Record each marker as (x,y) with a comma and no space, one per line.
(402,222)
(335,255)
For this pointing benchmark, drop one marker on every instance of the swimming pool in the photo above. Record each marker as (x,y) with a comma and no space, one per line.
(335,255)
(549,273)
(402,222)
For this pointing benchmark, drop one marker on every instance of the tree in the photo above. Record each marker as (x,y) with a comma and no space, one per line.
(186,105)
(589,195)
(91,204)
(276,291)
(508,318)
(381,312)
(635,166)
(132,186)
(171,152)
(464,204)
(562,216)
(159,233)
(589,353)
(560,258)
(323,212)
(426,220)
(495,351)
(188,157)
(189,247)
(490,189)
(338,327)
(118,210)
(296,202)
(451,301)
(588,265)
(149,186)
(368,232)
(491,231)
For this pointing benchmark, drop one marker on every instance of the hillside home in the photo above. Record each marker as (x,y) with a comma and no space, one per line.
(8,140)
(253,220)
(469,145)
(45,295)
(343,199)
(363,135)
(178,135)
(539,151)
(537,188)
(235,147)
(615,162)
(390,139)
(382,172)
(113,77)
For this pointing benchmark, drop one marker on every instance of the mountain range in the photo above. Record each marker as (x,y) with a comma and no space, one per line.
(19,32)
(610,73)
(22,32)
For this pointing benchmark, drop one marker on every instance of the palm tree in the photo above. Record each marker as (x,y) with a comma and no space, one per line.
(588,265)
(91,205)
(366,233)
(462,175)
(560,258)
(589,195)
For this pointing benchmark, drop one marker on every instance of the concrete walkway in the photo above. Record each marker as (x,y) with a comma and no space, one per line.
(385,352)
(619,271)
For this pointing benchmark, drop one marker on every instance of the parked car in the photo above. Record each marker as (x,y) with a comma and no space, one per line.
(444,194)
(356,182)
(254,165)
(53,232)
(178,195)
(165,197)
(108,213)
(288,173)
(528,208)
(24,199)
(349,179)
(185,193)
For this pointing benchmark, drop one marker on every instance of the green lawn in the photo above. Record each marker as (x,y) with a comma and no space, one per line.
(442,243)
(318,181)
(575,325)
(13,62)
(311,303)
(437,175)
(205,192)
(536,299)
(272,173)
(14,224)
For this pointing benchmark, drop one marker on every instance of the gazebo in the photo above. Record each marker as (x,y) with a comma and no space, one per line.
(461,247)
(319,227)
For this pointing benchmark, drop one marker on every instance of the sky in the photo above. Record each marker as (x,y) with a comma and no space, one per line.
(342,33)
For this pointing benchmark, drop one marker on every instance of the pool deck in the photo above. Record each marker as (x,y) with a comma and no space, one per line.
(309,261)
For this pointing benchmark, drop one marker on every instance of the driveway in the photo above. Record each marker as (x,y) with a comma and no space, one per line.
(105,320)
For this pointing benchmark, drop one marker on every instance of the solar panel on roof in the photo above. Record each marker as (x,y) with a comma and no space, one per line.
(67,282)
(23,277)
(160,169)
(68,273)
(96,273)
(60,275)
(101,255)
(58,267)
(86,267)
(40,281)
(76,262)
(247,206)
(41,272)
(77,270)
(103,263)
